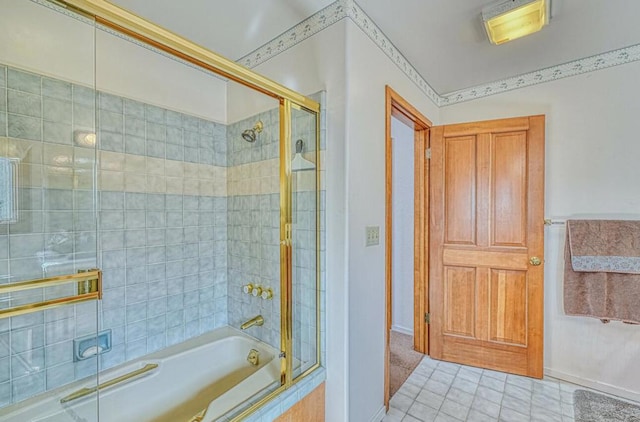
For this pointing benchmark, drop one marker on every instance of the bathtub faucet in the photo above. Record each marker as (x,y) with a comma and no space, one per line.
(258,320)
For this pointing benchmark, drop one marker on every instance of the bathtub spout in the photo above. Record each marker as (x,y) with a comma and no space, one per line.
(258,320)
(254,357)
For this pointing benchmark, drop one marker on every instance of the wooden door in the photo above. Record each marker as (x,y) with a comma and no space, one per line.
(486,246)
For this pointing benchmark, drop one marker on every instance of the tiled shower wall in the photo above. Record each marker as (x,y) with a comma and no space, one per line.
(162,239)
(254,224)
(254,232)
(188,214)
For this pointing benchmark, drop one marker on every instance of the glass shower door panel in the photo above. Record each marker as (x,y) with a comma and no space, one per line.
(47,208)
(304,214)
(253,189)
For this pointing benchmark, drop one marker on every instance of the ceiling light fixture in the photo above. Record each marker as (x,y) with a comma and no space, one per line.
(507,20)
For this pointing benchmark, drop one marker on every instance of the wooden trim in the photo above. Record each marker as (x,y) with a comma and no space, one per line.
(436,238)
(401,109)
(418,238)
(388,239)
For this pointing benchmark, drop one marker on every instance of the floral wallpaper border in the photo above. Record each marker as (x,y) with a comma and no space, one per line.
(326,17)
(576,67)
(341,9)
(295,35)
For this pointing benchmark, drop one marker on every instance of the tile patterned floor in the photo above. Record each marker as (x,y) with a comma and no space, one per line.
(446,392)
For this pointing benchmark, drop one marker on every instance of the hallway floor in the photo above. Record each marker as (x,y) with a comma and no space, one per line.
(403,360)
(446,392)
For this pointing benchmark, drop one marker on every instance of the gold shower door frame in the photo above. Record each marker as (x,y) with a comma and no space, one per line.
(125,22)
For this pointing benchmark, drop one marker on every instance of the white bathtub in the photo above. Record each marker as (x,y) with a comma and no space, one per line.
(210,371)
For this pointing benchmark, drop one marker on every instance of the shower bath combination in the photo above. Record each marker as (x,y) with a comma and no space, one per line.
(250,135)
(201,215)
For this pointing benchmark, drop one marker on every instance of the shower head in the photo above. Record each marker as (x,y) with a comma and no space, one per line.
(250,135)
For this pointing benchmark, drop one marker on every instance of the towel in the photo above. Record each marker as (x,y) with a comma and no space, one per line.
(604,283)
(605,246)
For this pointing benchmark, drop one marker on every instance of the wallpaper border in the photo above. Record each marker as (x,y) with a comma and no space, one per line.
(341,9)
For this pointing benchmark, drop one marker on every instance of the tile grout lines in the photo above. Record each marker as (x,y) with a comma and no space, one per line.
(441,391)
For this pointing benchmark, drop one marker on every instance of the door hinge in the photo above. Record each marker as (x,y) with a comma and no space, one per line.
(427,318)
(427,153)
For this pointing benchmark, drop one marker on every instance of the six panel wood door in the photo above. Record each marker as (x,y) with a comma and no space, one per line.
(487,198)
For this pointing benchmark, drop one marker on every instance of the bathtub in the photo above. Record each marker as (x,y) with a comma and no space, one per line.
(208,372)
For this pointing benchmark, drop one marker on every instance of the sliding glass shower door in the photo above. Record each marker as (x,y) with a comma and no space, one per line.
(191,185)
(47,207)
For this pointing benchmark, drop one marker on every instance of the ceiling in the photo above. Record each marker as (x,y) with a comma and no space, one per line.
(443,39)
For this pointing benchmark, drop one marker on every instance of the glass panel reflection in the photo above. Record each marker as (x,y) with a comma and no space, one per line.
(47,202)
(304,235)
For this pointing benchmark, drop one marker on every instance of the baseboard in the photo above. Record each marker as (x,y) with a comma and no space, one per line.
(380,414)
(402,330)
(593,384)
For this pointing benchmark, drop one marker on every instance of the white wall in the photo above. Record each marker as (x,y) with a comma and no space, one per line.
(402,212)
(592,169)
(39,39)
(355,81)
(132,71)
(243,102)
(316,64)
(368,71)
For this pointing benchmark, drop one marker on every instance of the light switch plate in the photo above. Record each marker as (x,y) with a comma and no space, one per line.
(373,235)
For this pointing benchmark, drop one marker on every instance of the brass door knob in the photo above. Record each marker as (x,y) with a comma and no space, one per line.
(535,261)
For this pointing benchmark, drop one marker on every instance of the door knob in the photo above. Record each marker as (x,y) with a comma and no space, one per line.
(535,261)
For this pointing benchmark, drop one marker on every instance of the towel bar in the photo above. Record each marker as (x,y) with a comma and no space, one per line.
(89,288)
(550,222)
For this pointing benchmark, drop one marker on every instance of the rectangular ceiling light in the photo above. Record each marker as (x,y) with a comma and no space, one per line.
(511,19)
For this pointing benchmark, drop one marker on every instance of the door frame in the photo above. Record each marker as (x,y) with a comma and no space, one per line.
(398,107)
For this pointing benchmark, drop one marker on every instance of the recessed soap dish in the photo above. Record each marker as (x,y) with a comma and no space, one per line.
(89,346)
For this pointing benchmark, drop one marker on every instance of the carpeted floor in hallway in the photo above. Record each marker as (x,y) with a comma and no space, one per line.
(403,360)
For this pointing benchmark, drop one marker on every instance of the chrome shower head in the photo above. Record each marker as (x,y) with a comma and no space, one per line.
(250,135)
